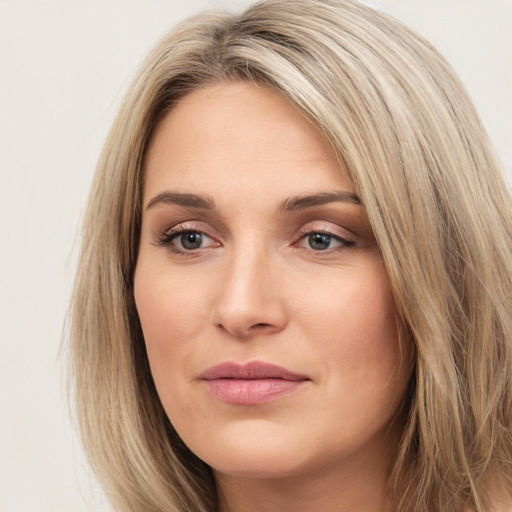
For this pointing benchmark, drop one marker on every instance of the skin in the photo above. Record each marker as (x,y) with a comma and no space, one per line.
(257,289)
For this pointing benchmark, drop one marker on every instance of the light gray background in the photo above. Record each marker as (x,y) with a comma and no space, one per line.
(64,65)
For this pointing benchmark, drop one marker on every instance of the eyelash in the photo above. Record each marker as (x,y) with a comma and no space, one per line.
(166,238)
(345,243)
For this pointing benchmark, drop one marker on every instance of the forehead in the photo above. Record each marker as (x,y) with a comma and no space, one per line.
(242,136)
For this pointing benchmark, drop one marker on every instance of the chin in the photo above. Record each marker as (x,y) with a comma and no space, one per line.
(253,453)
(258,466)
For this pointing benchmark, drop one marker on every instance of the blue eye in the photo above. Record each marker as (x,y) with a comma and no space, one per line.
(190,240)
(319,241)
(186,240)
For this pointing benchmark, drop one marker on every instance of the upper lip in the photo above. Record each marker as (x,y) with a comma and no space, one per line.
(252,370)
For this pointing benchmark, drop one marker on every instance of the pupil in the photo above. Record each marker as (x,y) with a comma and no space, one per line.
(191,240)
(319,241)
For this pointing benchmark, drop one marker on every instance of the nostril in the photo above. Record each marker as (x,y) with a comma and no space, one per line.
(260,326)
(241,332)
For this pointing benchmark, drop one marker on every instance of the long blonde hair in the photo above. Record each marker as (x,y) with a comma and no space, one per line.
(401,123)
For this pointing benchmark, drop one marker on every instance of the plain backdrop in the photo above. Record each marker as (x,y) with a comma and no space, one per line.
(64,65)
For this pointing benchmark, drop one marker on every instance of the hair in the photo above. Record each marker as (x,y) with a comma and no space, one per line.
(402,126)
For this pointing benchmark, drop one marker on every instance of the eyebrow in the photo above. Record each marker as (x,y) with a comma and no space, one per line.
(289,204)
(190,200)
(302,202)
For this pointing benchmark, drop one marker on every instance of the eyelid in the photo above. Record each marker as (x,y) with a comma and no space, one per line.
(345,236)
(328,227)
(346,239)
(165,237)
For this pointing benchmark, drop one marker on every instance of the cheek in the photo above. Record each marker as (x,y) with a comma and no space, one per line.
(168,306)
(356,310)
(381,366)
(172,313)
(373,319)
(354,324)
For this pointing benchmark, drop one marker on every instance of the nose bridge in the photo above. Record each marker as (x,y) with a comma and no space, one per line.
(249,299)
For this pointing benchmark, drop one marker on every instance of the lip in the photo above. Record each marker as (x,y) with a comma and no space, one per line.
(251,383)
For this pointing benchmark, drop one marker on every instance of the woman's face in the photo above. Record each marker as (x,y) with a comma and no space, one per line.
(269,322)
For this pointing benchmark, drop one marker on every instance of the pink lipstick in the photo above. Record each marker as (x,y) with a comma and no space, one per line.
(252,383)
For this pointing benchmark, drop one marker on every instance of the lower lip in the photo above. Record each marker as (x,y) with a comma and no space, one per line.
(252,391)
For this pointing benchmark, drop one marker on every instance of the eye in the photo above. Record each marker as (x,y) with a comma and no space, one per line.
(191,240)
(321,241)
(181,240)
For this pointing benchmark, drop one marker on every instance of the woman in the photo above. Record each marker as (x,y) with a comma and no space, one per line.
(295,284)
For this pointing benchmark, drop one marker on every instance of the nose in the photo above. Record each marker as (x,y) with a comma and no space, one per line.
(250,300)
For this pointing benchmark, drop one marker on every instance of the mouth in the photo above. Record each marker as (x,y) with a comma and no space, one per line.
(252,383)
